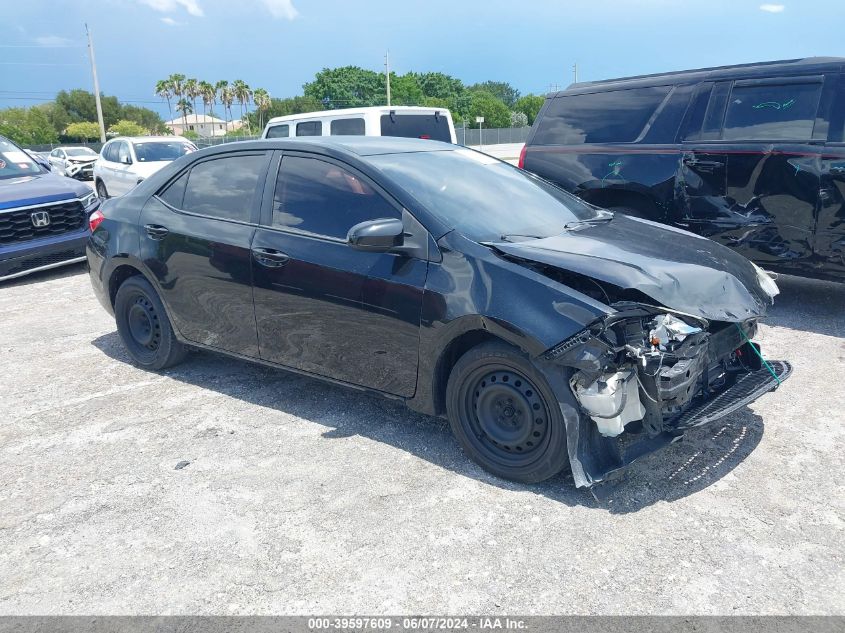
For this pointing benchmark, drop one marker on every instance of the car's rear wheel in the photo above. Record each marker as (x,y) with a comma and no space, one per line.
(102,192)
(143,326)
(504,414)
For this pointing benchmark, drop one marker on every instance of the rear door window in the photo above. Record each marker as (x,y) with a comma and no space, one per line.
(347,127)
(224,188)
(278,131)
(432,126)
(616,116)
(309,128)
(772,111)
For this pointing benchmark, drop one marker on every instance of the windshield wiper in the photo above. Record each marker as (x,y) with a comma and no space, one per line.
(606,216)
(507,237)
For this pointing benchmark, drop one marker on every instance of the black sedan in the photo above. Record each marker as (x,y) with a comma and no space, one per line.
(547,330)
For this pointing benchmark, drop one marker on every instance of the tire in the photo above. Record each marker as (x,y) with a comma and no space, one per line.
(144,328)
(102,192)
(504,414)
(634,213)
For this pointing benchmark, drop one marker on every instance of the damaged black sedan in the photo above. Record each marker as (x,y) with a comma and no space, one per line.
(549,332)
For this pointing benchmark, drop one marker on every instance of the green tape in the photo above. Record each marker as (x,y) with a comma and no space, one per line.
(756,351)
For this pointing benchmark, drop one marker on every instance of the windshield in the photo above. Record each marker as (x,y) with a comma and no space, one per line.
(14,162)
(484,198)
(161,150)
(80,151)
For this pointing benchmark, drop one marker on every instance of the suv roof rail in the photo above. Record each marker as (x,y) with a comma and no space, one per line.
(804,60)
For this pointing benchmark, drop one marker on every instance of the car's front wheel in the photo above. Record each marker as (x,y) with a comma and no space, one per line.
(102,192)
(143,326)
(504,414)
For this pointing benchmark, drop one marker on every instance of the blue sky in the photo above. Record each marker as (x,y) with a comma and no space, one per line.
(280,44)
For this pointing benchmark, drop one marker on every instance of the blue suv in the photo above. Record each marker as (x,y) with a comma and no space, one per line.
(43,216)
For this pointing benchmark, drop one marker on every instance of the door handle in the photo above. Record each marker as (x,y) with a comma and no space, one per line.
(269,257)
(703,164)
(156,231)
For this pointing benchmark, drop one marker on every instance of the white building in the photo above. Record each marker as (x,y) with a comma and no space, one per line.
(203,125)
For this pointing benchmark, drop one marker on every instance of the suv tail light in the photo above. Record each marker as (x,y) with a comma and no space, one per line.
(95,219)
(521,164)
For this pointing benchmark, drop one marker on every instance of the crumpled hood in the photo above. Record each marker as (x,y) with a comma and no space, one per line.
(38,189)
(677,269)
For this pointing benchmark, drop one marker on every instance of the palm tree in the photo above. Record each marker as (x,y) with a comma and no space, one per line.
(227,97)
(222,89)
(184,106)
(192,91)
(163,90)
(241,92)
(208,94)
(177,86)
(262,101)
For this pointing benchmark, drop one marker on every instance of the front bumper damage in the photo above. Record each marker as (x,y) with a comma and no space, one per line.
(635,382)
(80,170)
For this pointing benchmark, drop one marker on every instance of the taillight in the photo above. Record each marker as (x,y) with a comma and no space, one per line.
(521,164)
(95,219)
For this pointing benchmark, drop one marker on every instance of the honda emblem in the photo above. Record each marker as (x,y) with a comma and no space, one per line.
(40,218)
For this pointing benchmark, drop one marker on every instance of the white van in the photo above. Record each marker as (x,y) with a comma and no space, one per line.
(406,121)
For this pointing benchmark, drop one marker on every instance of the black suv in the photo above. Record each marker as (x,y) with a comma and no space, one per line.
(751,156)
(546,329)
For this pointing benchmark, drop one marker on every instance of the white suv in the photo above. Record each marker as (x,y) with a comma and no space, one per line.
(126,161)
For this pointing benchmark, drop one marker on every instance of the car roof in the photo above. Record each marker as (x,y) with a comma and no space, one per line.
(146,139)
(319,114)
(358,145)
(758,69)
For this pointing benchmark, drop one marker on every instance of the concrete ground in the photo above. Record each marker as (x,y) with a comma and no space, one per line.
(505,151)
(222,487)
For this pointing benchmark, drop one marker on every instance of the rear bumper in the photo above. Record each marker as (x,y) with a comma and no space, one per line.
(25,258)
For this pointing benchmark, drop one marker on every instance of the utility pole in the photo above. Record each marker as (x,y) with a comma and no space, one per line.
(575,70)
(387,73)
(96,86)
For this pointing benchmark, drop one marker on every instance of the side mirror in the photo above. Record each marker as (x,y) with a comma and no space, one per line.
(126,160)
(376,235)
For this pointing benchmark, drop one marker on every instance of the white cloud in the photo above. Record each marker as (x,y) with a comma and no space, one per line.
(169,21)
(772,8)
(281,9)
(52,40)
(169,6)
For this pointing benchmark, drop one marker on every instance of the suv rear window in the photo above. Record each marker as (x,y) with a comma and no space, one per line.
(617,116)
(278,131)
(772,112)
(431,126)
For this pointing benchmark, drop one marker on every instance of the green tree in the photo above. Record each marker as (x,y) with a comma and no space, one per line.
(519,119)
(80,105)
(405,90)
(439,85)
(28,126)
(209,94)
(495,113)
(502,90)
(192,91)
(144,117)
(83,130)
(242,93)
(164,89)
(262,102)
(347,87)
(530,104)
(177,87)
(127,128)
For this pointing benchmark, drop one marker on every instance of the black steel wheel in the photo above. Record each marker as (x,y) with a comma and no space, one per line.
(143,326)
(102,192)
(505,415)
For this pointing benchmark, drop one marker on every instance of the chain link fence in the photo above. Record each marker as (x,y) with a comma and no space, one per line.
(491,136)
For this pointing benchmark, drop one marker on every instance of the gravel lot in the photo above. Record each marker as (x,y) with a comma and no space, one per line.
(300,497)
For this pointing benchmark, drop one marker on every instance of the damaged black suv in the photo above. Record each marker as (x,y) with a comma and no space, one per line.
(546,329)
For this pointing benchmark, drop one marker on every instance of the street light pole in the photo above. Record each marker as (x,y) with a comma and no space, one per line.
(387,73)
(96,86)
